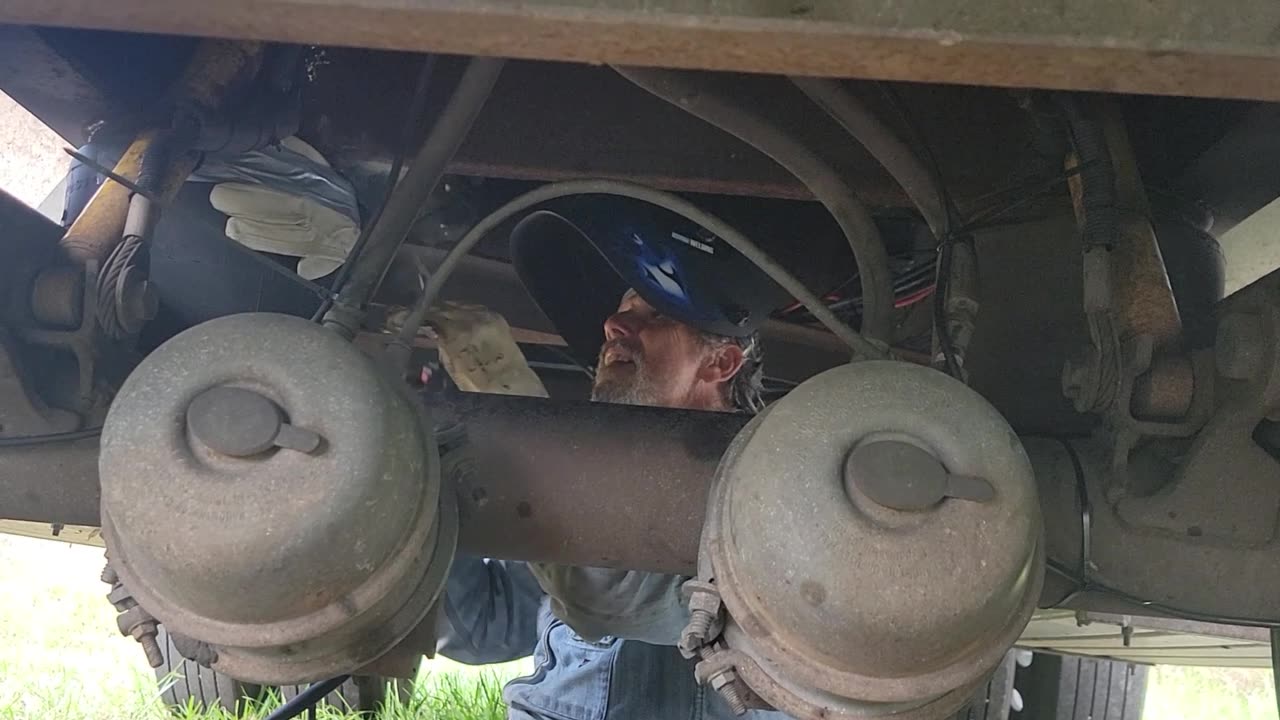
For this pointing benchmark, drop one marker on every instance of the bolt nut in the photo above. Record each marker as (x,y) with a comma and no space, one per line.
(721,679)
(145,634)
(1240,346)
(726,683)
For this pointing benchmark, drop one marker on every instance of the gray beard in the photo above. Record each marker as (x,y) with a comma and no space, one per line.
(637,389)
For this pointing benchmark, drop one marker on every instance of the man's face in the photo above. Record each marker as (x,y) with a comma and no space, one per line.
(651,359)
(647,358)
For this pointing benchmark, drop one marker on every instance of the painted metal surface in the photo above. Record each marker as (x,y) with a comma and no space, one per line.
(1174,47)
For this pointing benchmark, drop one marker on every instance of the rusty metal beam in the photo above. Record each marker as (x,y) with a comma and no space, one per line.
(1172,47)
(617,486)
(53,483)
(545,482)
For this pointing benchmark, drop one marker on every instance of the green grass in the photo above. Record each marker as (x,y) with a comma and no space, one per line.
(60,657)
(1193,693)
(452,695)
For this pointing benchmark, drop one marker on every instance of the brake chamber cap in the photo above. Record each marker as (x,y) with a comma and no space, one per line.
(875,537)
(268,491)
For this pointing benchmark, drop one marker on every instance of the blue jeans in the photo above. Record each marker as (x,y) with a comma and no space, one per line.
(495,612)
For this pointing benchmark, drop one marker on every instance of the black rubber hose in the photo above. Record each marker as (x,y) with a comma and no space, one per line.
(307,699)
(902,162)
(706,96)
(1101,222)
(424,173)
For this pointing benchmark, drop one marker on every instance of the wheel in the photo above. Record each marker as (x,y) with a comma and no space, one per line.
(185,681)
(991,701)
(1067,687)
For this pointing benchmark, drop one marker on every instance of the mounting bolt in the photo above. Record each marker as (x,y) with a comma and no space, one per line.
(145,634)
(726,683)
(704,616)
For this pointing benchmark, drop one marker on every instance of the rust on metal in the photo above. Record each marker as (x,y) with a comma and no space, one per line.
(215,69)
(1143,299)
(356,535)
(815,624)
(1172,47)
(584,484)
(1165,392)
(26,492)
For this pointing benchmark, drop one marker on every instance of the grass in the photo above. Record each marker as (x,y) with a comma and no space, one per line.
(451,695)
(1192,693)
(60,657)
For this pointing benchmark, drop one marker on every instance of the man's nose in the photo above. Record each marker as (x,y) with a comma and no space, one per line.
(619,324)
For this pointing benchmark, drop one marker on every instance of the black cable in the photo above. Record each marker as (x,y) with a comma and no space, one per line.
(1086,509)
(307,698)
(417,107)
(423,174)
(1094,587)
(1084,584)
(717,100)
(50,438)
(944,242)
(983,219)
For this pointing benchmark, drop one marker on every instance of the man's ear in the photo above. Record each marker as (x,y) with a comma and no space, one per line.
(721,363)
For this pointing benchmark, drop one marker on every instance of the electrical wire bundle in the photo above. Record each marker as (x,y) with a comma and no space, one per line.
(913,282)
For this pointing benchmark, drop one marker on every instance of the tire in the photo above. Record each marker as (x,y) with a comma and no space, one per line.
(1066,687)
(362,694)
(189,681)
(991,701)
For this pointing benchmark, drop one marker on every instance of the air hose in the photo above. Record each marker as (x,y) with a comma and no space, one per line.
(399,348)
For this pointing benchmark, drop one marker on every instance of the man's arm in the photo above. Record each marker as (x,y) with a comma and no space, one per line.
(596,602)
(488,612)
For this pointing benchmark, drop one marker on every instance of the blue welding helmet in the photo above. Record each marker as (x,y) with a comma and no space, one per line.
(577,260)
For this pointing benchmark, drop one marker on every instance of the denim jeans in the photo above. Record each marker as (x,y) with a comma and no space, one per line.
(496,611)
